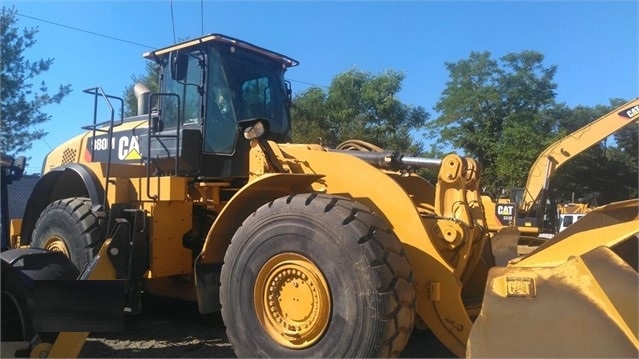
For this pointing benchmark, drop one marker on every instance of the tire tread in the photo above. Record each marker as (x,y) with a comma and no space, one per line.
(390,260)
(91,224)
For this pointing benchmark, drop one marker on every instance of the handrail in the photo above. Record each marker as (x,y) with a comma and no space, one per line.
(150,135)
(98,91)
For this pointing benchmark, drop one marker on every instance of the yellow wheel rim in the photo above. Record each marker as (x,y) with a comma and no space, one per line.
(292,300)
(56,244)
(41,350)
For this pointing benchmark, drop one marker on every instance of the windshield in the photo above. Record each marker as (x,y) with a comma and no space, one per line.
(242,85)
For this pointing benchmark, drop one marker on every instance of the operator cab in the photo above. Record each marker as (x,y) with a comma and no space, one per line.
(207,86)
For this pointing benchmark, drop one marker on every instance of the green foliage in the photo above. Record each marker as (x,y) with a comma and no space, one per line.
(150,80)
(627,141)
(498,112)
(22,103)
(503,113)
(309,115)
(358,105)
(622,176)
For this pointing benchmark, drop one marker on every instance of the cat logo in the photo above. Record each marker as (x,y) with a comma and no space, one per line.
(505,210)
(505,213)
(129,148)
(630,113)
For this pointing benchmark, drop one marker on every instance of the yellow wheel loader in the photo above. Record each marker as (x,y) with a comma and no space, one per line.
(306,250)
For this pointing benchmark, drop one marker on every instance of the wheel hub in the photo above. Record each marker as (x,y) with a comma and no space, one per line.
(56,244)
(292,300)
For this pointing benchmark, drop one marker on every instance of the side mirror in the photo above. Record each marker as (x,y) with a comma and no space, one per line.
(157,125)
(13,168)
(19,164)
(179,62)
(289,94)
(18,168)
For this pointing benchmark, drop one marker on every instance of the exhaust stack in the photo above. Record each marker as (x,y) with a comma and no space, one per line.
(142,94)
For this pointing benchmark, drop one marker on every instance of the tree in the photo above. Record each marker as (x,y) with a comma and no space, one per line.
(628,141)
(358,105)
(498,112)
(22,104)
(150,80)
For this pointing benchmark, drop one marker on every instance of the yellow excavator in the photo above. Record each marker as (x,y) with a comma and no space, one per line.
(306,251)
(529,208)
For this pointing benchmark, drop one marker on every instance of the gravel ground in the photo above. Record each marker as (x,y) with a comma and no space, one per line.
(174,329)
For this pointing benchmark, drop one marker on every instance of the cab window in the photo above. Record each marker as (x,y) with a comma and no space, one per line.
(220,127)
(567,221)
(187,89)
(256,98)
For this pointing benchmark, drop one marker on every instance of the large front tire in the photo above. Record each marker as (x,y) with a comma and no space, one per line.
(316,276)
(71,226)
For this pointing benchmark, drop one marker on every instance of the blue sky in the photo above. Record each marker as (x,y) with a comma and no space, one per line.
(594,44)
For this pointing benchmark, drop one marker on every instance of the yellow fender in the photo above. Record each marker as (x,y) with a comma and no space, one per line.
(252,196)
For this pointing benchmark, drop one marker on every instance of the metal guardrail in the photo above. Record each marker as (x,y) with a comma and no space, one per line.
(97,93)
(152,134)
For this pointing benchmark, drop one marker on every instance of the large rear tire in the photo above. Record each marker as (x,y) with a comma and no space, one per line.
(71,226)
(316,276)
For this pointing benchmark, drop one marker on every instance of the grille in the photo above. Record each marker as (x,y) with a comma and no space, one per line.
(69,156)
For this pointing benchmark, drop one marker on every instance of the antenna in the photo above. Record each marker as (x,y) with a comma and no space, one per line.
(202,15)
(173,22)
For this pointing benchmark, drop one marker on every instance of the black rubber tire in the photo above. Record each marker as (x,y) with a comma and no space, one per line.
(370,280)
(18,289)
(76,224)
(16,315)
